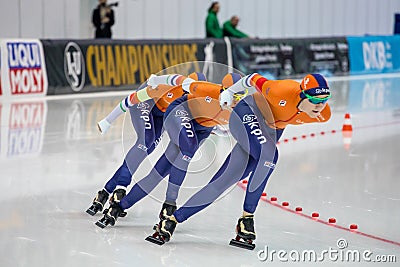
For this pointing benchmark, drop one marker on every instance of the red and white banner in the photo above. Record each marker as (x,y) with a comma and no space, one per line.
(23,68)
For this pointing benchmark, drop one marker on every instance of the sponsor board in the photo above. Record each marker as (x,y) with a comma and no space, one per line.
(23,69)
(82,66)
(270,58)
(374,54)
(287,58)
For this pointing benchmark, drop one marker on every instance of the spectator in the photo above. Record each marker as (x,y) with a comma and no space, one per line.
(229,28)
(103,19)
(213,29)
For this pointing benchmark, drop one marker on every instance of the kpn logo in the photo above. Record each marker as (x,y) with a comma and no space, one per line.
(26,69)
(74,66)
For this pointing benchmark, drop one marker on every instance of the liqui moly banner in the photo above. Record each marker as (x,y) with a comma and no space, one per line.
(23,69)
(23,128)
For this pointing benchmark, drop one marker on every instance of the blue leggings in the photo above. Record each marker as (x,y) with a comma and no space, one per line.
(185,136)
(147,120)
(255,152)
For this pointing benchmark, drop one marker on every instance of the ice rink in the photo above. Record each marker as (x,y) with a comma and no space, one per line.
(53,161)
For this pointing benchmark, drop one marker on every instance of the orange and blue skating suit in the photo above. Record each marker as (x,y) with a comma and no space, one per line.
(257,122)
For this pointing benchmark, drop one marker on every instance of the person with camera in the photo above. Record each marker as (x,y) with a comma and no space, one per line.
(103,19)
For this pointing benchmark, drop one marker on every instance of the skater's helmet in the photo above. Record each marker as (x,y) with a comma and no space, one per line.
(198,76)
(313,86)
(230,79)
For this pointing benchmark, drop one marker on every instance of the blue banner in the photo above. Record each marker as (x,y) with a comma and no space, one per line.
(374,54)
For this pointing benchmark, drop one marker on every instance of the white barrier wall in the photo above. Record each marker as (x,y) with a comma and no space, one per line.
(154,19)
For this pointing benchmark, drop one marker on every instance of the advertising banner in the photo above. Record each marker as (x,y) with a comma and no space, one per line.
(23,68)
(82,66)
(270,58)
(374,54)
(290,58)
(328,56)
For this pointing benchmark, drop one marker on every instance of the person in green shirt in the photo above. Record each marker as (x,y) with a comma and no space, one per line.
(229,28)
(213,29)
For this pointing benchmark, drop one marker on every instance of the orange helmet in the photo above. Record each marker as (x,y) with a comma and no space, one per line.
(230,79)
(314,84)
(198,76)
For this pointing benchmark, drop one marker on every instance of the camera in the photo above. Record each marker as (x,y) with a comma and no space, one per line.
(113,4)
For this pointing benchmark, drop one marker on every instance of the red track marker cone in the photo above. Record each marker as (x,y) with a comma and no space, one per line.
(347,131)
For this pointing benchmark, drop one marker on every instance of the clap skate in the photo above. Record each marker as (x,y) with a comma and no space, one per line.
(166,211)
(163,233)
(245,233)
(114,211)
(98,202)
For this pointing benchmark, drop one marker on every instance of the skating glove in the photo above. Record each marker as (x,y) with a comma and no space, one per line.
(226,99)
(103,126)
(153,81)
(186,84)
(168,79)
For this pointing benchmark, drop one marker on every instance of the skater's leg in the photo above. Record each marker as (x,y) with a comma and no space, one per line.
(254,136)
(147,184)
(257,184)
(147,132)
(259,141)
(236,167)
(186,134)
(143,122)
(123,171)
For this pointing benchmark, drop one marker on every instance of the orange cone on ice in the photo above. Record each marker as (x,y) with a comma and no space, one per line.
(347,131)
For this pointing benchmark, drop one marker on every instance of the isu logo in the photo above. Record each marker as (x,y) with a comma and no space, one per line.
(74,66)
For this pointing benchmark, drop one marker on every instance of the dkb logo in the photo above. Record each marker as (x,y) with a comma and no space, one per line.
(74,66)
(374,54)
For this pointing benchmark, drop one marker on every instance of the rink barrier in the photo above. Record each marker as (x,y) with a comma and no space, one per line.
(37,67)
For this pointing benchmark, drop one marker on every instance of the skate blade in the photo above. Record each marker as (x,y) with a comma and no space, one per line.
(155,240)
(91,212)
(242,244)
(101,224)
